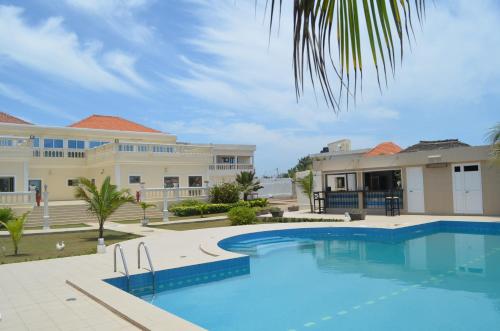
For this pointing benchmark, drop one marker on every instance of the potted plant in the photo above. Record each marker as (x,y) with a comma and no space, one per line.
(357,214)
(276,212)
(144,206)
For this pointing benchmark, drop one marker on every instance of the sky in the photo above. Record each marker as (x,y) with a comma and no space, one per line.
(209,72)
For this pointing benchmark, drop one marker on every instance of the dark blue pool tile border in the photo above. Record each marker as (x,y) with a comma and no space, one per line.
(372,234)
(169,279)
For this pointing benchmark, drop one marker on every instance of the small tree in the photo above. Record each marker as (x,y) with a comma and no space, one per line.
(248,184)
(104,201)
(15,227)
(307,185)
(225,193)
(144,206)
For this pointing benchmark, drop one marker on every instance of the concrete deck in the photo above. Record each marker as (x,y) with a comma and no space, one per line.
(34,295)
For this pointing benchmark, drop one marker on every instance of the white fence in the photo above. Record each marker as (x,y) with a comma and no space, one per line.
(276,187)
(17,198)
(176,193)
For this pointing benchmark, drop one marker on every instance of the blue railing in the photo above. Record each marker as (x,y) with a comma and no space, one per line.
(342,199)
(351,199)
(376,199)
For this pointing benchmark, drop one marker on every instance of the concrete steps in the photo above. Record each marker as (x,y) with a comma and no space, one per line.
(71,214)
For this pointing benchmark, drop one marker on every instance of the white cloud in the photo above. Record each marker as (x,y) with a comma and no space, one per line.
(21,96)
(124,65)
(51,49)
(119,15)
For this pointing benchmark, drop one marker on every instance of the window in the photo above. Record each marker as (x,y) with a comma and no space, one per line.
(76,144)
(457,169)
(134,179)
(53,143)
(142,148)
(195,181)
(169,182)
(95,143)
(7,184)
(340,183)
(6,142)
(126,148)
(73,182)
(36,142)
(228,159)
(162,149)
(471,168)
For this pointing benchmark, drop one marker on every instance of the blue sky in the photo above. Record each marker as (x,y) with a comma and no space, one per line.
(204,70)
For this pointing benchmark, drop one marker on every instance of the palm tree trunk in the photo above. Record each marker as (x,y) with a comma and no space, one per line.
(101,229)
(310,203)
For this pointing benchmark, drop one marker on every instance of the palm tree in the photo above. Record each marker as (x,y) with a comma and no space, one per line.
(307,184)
(144,206)
(15,226)
(494,140)
(104,201)
(248,184)
(317,23)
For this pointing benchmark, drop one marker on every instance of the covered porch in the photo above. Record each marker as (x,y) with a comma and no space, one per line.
(362,190)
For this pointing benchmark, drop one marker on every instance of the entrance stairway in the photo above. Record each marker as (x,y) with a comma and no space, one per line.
(77,213)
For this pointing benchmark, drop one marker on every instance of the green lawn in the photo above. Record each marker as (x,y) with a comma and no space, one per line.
(43,246)
(194,225)
(57,226)
(60,226)
(226,222)
(171,218)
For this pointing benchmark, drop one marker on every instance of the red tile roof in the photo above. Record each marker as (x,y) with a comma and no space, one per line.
(6,118)
(111,123)
(386,148)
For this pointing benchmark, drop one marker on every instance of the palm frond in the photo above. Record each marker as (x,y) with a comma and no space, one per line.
(387,23)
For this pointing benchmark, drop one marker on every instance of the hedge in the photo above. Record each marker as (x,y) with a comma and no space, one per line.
(214,208)
(296,220)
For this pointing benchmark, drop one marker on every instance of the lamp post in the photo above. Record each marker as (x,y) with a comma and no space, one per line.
(46,217)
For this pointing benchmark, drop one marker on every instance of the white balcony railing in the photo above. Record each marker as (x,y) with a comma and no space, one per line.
(17,198)
(176,193)
(230,166)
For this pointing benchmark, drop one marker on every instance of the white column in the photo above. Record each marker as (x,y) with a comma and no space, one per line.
(46,218)
(165,205)
(118,176)
(26,175)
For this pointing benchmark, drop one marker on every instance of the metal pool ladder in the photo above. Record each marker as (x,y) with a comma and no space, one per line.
(118,246)
(151,268)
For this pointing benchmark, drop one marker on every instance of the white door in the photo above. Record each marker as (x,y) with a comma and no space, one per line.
(467,189)
(415,189)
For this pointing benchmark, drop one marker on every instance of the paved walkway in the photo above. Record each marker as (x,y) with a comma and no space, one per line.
(35,296)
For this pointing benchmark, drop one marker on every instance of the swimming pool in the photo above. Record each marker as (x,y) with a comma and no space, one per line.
(437,276)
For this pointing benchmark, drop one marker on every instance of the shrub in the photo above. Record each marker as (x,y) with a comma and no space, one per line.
(16,227)
(6,214)
(242,216)
(260,202)
(225,193)
(187,203)
(296,220)
(207,208)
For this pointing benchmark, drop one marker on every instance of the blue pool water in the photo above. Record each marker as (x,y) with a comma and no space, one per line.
(440,276)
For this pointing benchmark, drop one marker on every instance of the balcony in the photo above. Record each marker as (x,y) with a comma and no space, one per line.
(230,167)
